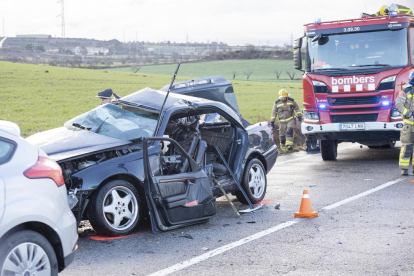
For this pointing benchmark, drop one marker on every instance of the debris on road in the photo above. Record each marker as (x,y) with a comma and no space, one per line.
(277,206)
(188,236)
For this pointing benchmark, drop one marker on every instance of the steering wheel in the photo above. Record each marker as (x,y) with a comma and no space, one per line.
(189,121)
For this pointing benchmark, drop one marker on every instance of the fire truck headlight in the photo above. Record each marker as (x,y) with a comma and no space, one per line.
(322,106)
(311,117)
(389,79)
(318,83)
(395,114)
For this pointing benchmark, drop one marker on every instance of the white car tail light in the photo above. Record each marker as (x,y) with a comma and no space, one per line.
(46,168)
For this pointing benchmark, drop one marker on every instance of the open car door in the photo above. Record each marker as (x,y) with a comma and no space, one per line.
(177,189)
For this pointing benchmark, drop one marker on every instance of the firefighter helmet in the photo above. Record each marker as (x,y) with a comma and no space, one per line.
(283,94)
(384,10)
(411,78)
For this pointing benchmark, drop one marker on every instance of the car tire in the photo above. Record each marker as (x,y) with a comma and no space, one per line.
(22,243)
(115,209)
(254,182)
(329,150)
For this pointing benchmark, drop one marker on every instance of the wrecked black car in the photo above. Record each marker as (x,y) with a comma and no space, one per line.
(121,161)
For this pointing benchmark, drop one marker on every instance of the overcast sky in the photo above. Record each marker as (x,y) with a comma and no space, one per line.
(235,22)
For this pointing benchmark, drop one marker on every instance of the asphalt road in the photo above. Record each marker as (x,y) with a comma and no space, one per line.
(365,227)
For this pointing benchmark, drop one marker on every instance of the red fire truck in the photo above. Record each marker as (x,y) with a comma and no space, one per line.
(354,70)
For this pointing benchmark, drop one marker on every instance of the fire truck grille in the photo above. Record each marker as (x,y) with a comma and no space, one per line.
(386,85)
(354,118)
(354,100)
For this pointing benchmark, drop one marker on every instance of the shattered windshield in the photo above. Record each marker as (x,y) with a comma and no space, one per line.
(117,121)
(358,50)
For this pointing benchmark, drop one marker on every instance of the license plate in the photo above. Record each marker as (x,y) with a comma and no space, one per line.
(356,126)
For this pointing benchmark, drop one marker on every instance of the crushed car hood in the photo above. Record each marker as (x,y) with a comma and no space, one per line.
(62,143)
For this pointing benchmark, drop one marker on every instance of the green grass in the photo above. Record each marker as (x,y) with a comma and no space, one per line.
(263,69)
(39,97)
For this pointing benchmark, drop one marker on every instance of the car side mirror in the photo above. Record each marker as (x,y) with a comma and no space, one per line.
(297,54)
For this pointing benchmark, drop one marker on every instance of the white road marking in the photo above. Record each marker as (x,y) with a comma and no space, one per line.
(223,249)
(220,250)
(373,190)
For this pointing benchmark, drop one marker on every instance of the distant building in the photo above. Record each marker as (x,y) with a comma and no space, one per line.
(33,36)
(92,51)
(96,50)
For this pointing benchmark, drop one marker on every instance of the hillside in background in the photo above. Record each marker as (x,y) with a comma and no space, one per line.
(39,97)
(97,54)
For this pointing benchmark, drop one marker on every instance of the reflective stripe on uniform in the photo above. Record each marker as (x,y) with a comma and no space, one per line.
(272,118)
(284,120)
(409,96)
(404,10)
(289,143)
(405,111)
(408,122)
(282,104)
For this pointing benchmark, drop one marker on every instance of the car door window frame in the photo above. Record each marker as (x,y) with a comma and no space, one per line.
(10,154)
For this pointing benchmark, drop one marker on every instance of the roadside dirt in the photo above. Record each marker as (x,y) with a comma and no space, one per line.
(298,141)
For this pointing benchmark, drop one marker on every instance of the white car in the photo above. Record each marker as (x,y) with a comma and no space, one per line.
(38,232)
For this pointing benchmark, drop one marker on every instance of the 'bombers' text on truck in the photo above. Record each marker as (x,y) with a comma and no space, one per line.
(354,71)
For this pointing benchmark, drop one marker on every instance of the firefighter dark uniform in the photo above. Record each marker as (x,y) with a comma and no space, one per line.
(385,10)
(285,110)
(405,104)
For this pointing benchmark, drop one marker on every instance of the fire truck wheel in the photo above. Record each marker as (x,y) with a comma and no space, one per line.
(329,149)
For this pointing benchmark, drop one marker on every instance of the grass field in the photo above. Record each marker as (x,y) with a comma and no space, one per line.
(263,69)
(38,97)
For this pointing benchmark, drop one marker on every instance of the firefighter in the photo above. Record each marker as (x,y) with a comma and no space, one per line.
(405,105)
(285,110)
(107,96)
(385,10)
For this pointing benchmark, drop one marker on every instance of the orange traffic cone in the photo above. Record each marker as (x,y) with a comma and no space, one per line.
(306,210)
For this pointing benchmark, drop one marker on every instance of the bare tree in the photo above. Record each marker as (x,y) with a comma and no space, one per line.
(291,74)
(234,74)
(278,73)
(248,73)
(135,69)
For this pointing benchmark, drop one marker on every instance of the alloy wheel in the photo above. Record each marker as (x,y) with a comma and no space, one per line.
(27,259)
(257,181)
(120,208)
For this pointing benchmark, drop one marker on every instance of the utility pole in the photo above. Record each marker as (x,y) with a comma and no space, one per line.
(34,52)
(136,47)
(291,40)
(62,2)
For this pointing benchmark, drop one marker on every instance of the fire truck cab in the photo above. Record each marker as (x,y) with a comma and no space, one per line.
(354,70)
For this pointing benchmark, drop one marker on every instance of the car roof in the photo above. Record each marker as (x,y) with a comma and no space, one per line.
(153,99)
(10,127)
